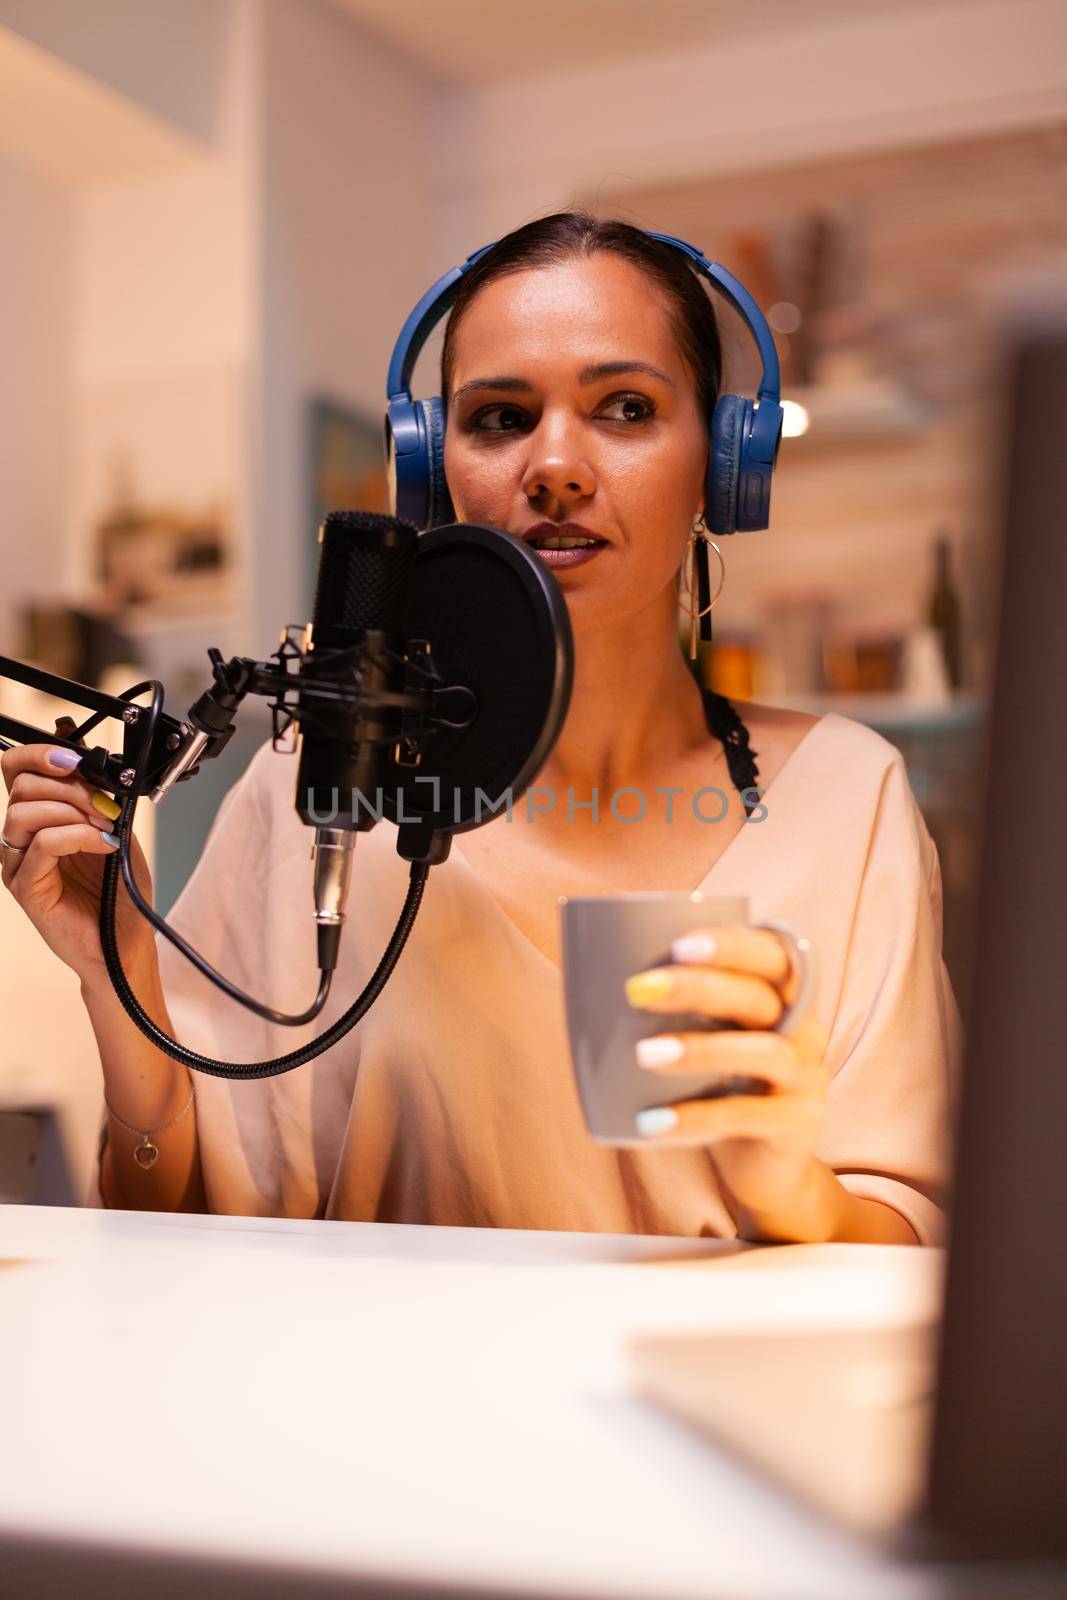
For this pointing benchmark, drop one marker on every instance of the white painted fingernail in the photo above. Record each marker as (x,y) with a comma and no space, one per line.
(659,1051)
(659,1120)
(694,947)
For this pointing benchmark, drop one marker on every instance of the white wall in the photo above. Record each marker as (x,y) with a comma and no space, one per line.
(168,55)
(350,218)
(513,150)
(113,282)
(36,337)
(168,269)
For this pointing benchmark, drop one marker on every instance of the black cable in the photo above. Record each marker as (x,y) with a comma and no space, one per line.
(120,863)
(149,912)
(254,1069)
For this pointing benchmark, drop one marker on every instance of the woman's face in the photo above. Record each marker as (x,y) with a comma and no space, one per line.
(573,413)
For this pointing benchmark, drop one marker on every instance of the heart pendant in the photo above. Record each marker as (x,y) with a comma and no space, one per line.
(145,1154)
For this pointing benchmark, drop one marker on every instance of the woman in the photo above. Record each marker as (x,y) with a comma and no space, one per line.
(580,367)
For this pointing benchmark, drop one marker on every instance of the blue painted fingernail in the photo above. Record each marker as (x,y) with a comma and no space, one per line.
(65,760)
(111,839)
(659,1120)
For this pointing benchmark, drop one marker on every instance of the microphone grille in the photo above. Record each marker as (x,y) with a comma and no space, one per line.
(364,572)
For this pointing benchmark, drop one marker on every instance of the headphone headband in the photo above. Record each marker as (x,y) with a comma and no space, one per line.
(744,436)
(734,291)
(438,299)
(441,297)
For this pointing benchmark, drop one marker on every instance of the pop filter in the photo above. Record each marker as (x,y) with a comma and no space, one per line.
(497,624)
(456,705)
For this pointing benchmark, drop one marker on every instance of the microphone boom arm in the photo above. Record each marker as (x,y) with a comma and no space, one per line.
(159,751)
(178,748)
(101,768)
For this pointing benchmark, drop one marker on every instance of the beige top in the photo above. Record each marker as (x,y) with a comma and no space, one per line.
(453,1100)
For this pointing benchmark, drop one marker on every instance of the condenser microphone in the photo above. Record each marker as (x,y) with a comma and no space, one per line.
(432,683)
(358,635)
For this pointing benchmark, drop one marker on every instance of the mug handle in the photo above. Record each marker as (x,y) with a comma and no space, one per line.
(802,955)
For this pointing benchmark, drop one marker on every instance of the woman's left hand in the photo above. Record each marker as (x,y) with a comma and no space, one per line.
(763,1143)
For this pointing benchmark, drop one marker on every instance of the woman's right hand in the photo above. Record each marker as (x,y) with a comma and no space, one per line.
(55,870)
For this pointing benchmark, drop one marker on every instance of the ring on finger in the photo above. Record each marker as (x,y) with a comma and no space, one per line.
(16,849)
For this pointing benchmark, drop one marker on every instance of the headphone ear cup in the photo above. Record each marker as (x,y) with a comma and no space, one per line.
(724,463)
(405,459)
(438,500)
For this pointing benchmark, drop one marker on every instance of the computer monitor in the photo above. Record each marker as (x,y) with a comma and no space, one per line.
(967,1453)
(998,1468)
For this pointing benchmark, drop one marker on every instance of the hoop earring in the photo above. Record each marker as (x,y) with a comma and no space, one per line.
(697,606)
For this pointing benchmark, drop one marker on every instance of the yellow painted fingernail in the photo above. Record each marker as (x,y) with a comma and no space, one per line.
(647,986)
(105,805)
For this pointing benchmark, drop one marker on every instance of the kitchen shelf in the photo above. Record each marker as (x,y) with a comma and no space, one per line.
(895,713)
(858,409)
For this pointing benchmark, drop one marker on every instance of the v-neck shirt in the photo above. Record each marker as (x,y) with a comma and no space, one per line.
(453,1100)
(702,886)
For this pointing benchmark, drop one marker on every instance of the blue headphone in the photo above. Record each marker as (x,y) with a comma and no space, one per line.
(745,434)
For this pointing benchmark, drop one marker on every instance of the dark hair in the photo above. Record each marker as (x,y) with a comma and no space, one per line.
(568,235)
(572,234)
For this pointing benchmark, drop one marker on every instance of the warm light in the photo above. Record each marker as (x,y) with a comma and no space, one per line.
(794,420)
(784,317)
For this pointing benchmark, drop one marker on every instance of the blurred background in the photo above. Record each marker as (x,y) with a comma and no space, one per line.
(214,215)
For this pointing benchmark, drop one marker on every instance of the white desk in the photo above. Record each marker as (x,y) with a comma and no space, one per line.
(427,1406)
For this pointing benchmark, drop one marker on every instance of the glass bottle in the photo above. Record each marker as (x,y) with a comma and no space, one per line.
(943,610)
